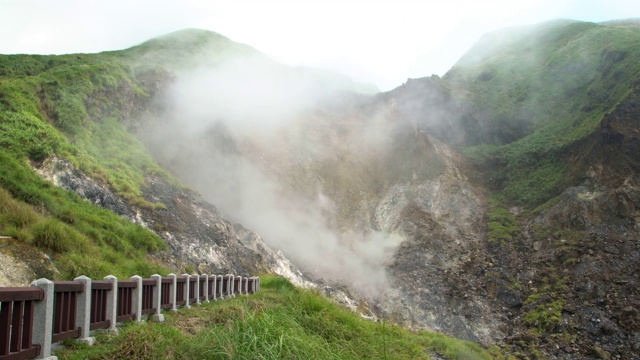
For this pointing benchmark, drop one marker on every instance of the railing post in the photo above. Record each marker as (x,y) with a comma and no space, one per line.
(43,315)
(43,319)
(112,303)
(196,290)
(232,292)
(186,291)
(205,291)
(157,293)
(173,292)
(83,313)
(257,283)
(137,298)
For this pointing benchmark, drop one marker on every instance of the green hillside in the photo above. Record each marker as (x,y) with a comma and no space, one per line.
(279,322)
(81,107)
(536,91)
(73,106)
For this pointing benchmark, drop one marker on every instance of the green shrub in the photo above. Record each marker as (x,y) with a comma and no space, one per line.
(502,225)
(57,237)
(69,113)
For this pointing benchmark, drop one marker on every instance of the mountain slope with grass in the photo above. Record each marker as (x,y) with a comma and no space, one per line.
(279,322)
(70,119)
(548,118)
(536,91)
(499,204)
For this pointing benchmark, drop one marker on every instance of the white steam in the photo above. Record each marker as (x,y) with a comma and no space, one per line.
(212,116)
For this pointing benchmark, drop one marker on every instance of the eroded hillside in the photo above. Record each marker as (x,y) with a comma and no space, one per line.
(493,198)
(499,203)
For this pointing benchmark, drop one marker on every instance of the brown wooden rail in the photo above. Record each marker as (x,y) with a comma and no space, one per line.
(192,290)
(211,291)
(180,283)
(125,300)
(72,312)
(148,287)
(98,309)
(165,293)
(16,322)
(64,314)
(201,292)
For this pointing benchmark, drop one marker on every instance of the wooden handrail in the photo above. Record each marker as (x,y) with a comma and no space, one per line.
(67,306)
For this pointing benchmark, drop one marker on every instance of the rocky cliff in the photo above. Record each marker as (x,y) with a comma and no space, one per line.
(197,236)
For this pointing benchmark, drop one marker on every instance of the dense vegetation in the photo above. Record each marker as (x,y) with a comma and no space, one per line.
(74,107)
(279,322)
(537,91)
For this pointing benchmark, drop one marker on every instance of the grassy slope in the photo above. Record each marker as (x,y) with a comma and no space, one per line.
(76,107)
(66,105)
(279,322)
(541,89)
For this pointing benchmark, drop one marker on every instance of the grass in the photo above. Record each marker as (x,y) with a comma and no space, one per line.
(279,322)
(80,237)
(503,226)
(76,106)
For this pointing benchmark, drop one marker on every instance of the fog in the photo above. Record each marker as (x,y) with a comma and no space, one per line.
(211,130)
(381,42)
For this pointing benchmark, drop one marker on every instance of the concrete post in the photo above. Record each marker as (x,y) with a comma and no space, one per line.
(245,284)
(43,320)
(257,283)
(83,311)
(186,291)
(240,280)
(196,290)
(220,280)
(112,303)
(157,298)
(205,290)
(173,292)
(136,304)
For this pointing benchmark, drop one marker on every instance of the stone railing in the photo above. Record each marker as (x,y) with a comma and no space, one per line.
(33,318)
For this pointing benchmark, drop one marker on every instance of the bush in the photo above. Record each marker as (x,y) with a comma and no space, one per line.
(57,237)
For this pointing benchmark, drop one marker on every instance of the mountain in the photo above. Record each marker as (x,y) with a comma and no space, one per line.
(499,203)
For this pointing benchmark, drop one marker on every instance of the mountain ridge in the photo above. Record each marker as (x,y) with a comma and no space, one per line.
(492,197)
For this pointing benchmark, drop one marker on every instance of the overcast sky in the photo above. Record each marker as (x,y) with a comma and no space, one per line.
(379,41)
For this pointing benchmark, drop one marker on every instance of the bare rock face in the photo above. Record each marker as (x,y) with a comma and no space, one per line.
(433,287)
(196,234)
(593,266)
(62,174)
(21,263)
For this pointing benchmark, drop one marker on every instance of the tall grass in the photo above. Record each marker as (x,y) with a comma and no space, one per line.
(82,238)
(280,322)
